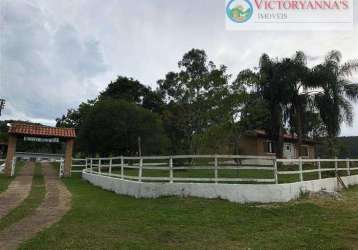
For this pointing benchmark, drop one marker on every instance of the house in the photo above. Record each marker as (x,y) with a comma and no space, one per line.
(257,142)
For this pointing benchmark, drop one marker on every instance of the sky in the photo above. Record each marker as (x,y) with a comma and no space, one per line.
(56,54)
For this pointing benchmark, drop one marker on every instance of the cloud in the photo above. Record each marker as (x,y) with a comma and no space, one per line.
(55,54)
(45,66)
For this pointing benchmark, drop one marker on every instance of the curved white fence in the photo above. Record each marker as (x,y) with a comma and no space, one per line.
(235,178)
(218,168)
(187,168)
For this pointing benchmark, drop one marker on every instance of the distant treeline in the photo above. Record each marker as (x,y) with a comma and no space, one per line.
(200,108)
(347,148)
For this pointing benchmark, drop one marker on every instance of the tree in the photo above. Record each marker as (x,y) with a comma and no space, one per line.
(270,85)
(196,94)
(112,127)
(126,89)
(297,108)
(132,91)
(74,117)
(334,101)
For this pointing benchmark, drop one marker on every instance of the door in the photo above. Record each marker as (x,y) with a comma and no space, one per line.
(288,151)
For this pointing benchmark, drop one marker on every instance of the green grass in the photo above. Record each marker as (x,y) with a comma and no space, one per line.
(103,220)
(30,203)
(5,180)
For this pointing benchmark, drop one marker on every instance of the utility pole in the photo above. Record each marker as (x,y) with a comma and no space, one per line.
(2,105)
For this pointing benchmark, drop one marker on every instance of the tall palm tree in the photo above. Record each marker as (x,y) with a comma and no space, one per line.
(334,101)
(274,90)
(299,104)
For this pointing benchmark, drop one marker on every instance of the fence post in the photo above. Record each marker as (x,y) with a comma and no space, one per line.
(122,167)
(99,166)
(275,170)
(140,169)
(336,166)
(61,168)
(110,167)
(13,165)
(348,167)
(216,169)
(301,169)
(91,165)
(319,168)
(171,174)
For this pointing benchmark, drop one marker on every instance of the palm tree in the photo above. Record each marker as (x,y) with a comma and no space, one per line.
(297,77)
(273,88)
(334,101)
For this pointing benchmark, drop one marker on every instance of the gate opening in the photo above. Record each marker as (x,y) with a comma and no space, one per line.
(40,137)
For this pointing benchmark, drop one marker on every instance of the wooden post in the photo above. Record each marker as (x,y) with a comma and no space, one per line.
(99,166)
(171,174)
(91,165)
(13,166)
(319,168)
(140,174)
(301,169)
(348,167)
(216,169)
(336,166)
(275,172)
(110,166)
(122,167)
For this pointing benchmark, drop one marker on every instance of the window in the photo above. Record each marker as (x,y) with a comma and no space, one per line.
(269,147)
(304,151)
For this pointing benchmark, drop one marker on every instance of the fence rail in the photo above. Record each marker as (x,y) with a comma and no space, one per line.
(186,168)
(78,164)
(319,167)
(219,168)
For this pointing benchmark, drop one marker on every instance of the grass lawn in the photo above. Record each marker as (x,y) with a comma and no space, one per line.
(30,203)
(5,180)
(103,220)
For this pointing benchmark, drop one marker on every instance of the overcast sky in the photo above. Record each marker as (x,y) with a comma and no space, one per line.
(56,54)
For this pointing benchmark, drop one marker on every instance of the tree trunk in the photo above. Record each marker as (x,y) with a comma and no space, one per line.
(299,130)
(278,131)
(280,141)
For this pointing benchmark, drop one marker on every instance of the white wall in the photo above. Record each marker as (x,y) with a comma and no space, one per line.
(241,193)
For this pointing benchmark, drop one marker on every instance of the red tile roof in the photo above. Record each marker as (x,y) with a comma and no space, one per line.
(285,136)
(42,131)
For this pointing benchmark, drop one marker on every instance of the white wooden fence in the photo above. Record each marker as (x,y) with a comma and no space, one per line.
(171,166)
(210,168)
(2,165)
(78,164)
(261,169)
(13,166)
(301,167)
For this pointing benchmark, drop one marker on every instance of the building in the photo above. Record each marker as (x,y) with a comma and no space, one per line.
(256,142)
